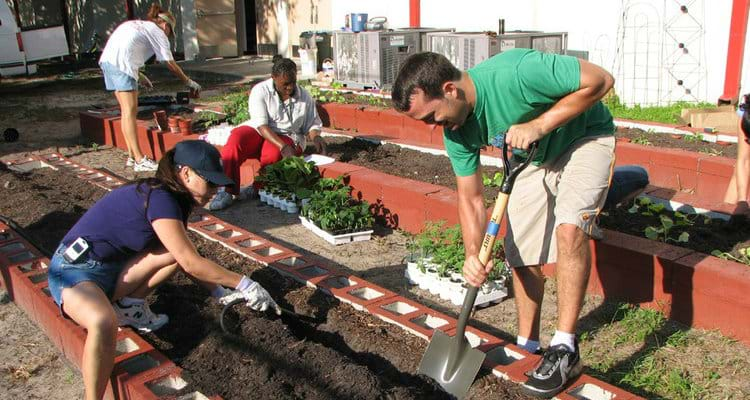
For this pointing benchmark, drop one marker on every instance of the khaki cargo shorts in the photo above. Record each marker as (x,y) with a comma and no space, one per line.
(569,190)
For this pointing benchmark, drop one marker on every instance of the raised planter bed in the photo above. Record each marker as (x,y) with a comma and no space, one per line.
(685,176)
(648,284)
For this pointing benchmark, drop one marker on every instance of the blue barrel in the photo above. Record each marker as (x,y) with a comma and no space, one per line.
(358,22)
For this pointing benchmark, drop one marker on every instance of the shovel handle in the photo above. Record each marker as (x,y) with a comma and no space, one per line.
(493,227)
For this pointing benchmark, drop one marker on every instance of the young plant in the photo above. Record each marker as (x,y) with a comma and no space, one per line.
(494,181)
(336,212)
(663,232)
(235,107)
(743,255)
(642,139)
(693,138)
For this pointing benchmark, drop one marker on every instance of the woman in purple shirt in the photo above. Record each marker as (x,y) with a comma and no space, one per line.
(128,243)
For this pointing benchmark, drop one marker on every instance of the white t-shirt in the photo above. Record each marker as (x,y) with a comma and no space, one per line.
(295,117)
(134,42)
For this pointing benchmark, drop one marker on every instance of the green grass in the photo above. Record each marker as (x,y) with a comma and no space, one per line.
(666,114)
(653,375)
(637,323)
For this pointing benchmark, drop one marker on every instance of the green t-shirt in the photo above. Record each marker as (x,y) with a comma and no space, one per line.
(514,87)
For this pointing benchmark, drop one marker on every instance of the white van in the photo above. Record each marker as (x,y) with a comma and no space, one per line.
(20,48)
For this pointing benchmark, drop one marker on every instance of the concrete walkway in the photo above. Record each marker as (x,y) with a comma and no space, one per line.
(234,70)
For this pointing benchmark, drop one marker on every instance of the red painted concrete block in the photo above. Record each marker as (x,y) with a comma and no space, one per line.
(339,284)
(144,364)
(95,128)
(405,201)
(157,143)
(155,384)
(337,169)
(423,323)
(392,309)
(674,178)
(391,123)
(362,295)
(711,293)
(368,185)
(719,166)
(342,116)
(588,387)
(628,153)
(675,158)
(442,205)
(73,339)
(291,265)
(710,188)
(621,257)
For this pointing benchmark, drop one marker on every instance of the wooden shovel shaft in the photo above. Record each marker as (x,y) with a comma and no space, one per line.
(493,227)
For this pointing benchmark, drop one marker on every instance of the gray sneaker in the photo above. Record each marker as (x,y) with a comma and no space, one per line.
(221,201)
(555,370)
(139,316)
(145,165)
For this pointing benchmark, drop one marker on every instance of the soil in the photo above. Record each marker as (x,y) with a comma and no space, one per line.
(348,355)
(705,234)
(639,136)
(712,365)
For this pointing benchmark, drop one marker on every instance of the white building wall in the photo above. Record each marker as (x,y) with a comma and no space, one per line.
(633,39)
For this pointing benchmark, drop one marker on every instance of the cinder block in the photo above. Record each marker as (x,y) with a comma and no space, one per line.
(151,363)
(588,387)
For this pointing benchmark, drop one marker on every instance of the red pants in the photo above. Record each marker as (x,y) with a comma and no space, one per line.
(245,143)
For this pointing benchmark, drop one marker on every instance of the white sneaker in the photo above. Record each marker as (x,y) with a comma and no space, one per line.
(130,162)
(139,316)
(145,165)
(248,192)
(221,201)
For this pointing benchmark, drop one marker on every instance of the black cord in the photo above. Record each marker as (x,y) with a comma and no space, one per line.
(224,311)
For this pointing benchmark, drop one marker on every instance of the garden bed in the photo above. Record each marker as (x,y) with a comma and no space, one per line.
(348,355)
(436,169)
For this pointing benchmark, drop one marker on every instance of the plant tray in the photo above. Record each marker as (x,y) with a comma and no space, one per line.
(336,239)
(454,292)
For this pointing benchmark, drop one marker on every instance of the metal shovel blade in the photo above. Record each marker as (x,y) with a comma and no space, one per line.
(458,377)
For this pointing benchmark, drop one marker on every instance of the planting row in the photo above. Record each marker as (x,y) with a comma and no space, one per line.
(362,295)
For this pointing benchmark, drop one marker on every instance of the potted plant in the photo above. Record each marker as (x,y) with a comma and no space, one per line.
(335,216)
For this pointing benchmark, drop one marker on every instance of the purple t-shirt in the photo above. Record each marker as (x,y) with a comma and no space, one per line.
(119,226)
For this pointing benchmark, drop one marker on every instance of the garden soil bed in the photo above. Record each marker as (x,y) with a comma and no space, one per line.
(667,140)
(348,355)
(436,169)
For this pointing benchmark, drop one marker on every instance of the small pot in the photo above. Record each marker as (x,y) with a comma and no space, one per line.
(174,124)
(160,117)
(186,125)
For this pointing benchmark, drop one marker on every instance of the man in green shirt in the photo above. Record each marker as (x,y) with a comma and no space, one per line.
(527,96)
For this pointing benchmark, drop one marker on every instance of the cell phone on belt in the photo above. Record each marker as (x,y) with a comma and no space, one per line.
(76,250)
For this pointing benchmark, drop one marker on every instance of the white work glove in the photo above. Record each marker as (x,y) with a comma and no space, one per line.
(193,85)
(257,298)
(219,292)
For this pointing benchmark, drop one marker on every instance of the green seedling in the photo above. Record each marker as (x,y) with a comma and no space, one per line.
(662,233)
(693,138)
(642,139)
(637,323)
(94,146)
(495,181)
(742,257)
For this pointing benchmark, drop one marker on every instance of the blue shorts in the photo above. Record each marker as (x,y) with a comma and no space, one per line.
(62,274)
(116,80)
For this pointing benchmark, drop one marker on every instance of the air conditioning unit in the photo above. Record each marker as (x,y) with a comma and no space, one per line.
(464,49)
(548,42)
(371,59)
(424,40)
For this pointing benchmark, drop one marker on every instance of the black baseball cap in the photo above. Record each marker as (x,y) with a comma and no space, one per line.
(204,158)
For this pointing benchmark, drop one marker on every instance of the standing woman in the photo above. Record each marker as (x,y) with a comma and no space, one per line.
(128,243)
(131,44)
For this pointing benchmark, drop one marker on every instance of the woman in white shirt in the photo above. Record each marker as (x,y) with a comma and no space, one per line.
(128,48)
(282,117)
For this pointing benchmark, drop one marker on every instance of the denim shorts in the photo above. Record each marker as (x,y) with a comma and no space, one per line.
(62,274)
(116,80)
